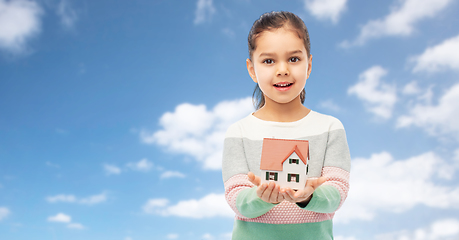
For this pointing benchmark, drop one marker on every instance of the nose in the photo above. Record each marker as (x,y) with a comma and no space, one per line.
(282,69)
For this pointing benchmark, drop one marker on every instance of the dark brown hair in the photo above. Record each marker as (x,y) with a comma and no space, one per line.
(270,21)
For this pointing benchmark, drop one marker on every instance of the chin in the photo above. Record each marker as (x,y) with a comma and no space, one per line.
(286,101)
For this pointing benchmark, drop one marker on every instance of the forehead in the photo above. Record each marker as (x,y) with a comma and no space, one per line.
(279,40)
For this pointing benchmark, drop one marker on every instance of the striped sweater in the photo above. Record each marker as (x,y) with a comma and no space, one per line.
(328,156)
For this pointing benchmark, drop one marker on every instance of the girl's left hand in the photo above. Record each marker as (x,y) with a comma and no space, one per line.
(270,193)
(303,195)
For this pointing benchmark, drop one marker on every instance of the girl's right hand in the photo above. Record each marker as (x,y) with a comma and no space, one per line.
(303,195)
(267,192)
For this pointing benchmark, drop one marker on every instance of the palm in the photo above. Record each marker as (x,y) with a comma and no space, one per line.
(303,194)
(270,193)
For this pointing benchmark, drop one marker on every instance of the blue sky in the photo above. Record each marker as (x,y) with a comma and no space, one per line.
(113,113)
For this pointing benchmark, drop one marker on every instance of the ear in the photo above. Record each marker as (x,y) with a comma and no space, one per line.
(251,70)
(309,65)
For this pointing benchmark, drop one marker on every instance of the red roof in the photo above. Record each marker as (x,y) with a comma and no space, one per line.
(276,151)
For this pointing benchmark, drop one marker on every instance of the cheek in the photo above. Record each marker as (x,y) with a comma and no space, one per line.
(263,75)
(301,73)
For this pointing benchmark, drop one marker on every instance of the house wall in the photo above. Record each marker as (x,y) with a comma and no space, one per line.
(289,168)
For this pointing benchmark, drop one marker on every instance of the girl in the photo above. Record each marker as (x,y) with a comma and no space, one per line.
(280,62)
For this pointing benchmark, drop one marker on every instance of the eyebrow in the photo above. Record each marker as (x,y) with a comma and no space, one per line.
(272,54)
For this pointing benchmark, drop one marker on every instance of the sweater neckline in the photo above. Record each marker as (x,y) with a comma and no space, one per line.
(282,124)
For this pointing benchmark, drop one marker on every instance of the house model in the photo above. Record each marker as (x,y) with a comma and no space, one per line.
(285,162)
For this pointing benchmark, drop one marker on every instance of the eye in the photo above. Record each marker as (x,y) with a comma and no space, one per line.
(268,61)
(294,59)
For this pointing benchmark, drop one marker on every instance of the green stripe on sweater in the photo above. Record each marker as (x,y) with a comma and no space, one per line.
(264,231)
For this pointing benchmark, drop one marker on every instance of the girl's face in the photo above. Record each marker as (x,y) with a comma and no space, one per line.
(280,65)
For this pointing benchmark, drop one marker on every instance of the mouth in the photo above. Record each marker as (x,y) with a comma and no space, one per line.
(282,86)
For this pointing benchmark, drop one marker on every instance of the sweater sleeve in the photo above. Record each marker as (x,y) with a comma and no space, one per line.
(330,196)
(240,193)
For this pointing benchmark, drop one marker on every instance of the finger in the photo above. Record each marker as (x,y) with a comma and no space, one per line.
(315,183)
(251,177)
(287,197)
(275,194)
(267,193)
(302,194)
(255,179)
(289,193)
(280,197)
(321,181)
(261,189)
(298,194)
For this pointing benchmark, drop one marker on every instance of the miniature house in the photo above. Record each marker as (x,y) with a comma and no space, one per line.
(285,162)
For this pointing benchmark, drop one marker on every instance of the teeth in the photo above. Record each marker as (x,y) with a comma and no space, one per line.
(283,85)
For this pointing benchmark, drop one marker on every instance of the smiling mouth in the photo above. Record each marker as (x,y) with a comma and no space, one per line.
(283,85)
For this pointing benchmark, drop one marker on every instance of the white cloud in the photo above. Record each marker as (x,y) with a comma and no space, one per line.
(330,105)
(443,229)
(401,20)
(204,11)
(152,205)
(456,156)
(60,217)
(172,236)
(378,97)
(4,212)
(411,88)
(344,238)
(228,32)
(207,236)
(212,205)
(383,184)
(78,226)
(326,9)
(437,120)
(61,198)
(111,169)
(91,200)
(143,165)
(64,218)
(227,235)
(195,131)
(20,20)
(127,238)
(440,57)
(67,14)
(172,174)
(50,164)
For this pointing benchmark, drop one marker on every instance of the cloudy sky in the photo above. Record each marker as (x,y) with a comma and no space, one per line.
(113,113)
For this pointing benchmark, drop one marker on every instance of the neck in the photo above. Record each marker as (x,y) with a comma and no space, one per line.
(282,112)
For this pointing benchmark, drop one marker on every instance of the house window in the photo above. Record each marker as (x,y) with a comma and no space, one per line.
(294,161)
(291,177)
(271,176)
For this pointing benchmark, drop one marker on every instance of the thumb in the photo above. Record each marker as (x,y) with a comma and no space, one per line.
(253,179)
(321,181)
(314,184)
(311,186)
